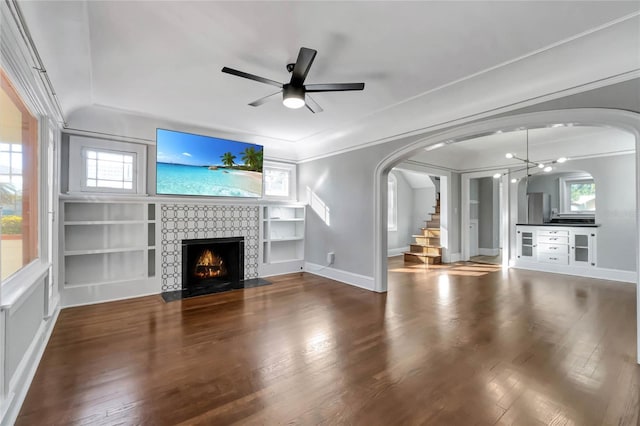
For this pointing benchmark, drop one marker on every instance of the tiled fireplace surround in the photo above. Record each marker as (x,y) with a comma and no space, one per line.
(179,222)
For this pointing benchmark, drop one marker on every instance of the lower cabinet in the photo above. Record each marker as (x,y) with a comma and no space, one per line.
(564,247)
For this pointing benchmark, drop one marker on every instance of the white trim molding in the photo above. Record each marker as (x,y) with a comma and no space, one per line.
(356,280)
(599,273)
(489,251)
(397,251)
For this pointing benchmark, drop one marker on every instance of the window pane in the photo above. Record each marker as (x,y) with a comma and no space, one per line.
(583,196)
(18,182)
(276,182)
(91,169)
(110,170)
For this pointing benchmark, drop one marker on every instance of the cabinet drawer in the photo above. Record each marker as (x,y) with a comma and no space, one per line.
(551,239)
(553,258)
(561,249)
(551,233)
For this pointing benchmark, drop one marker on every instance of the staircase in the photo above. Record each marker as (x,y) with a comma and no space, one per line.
(426,248)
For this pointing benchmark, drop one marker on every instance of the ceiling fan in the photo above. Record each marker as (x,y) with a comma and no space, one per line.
(295,94)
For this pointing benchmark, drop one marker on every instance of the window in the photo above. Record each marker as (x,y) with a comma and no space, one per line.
(105,169)
(392,193)
(18,181)
(279,180)
(578,194)
(100,166)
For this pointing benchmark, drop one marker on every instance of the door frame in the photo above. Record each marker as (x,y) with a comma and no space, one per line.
(465,206)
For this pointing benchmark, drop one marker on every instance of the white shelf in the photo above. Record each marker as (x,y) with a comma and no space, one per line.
(93,283)
(107,243)
(105,222)
(282,239)
(280,262)
(105,250)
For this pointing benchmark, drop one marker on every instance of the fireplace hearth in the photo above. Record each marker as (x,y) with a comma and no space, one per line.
(212,265)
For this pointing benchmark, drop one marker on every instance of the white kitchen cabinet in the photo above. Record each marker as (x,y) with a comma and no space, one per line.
(563,249)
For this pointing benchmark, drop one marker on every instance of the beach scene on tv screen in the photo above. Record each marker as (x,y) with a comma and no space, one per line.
(201,165)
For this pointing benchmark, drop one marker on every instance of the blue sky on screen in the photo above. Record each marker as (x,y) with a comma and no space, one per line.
(195,150)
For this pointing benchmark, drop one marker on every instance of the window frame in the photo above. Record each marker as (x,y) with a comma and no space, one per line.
(86,188)
(392,203)
(565,183)
(78,145)
(291,169)
(33,239)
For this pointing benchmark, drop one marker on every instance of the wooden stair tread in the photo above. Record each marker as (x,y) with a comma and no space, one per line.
(424,236)
(425,245)
(423,254)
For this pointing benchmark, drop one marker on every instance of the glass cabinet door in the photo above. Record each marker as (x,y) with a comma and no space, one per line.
(582,249)
(526,247)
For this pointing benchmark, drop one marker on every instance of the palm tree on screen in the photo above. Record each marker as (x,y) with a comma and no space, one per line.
(227,159)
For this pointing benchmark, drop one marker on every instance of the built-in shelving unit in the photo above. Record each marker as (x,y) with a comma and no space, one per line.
(282,239)
(106,247)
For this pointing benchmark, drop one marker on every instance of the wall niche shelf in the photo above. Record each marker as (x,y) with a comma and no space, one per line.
(282,239)
(109,249)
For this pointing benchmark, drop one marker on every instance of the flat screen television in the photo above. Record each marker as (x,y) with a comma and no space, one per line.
(188,164)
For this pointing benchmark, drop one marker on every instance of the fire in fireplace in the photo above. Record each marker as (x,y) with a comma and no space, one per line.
(213,262)
(209,265)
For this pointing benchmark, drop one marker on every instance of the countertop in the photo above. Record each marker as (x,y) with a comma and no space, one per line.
(567,225)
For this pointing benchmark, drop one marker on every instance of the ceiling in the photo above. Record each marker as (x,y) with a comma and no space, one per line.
(544,145)
(163,59)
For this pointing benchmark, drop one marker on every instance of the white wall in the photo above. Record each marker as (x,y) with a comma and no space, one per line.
(424,201)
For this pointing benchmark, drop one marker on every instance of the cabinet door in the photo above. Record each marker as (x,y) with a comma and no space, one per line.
(582,248)
(526,245)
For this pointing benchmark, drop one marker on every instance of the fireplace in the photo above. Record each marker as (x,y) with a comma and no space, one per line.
(212,264)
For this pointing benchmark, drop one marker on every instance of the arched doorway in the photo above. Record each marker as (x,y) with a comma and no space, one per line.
(623,120)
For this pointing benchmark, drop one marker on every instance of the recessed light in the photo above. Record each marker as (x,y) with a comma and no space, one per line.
(557,125)
(497,176)
(562,159)
(514,180)
(508,155)
(540,166)
(548,169)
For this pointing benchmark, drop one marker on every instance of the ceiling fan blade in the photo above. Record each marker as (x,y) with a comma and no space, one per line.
(312,104)
(266,99)
(333,87)
(302,66)
(251,77)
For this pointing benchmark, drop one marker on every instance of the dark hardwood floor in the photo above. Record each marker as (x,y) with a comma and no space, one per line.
(449,344)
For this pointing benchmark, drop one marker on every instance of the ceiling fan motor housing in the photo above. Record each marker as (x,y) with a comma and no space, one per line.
(291,93)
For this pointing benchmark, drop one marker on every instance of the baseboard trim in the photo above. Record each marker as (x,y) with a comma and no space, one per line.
(618,275)
(453,257)
(29,366)
(397,251)
(488,251)
(357,280)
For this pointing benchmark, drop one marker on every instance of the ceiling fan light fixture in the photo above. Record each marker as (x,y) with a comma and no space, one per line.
(292,97)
